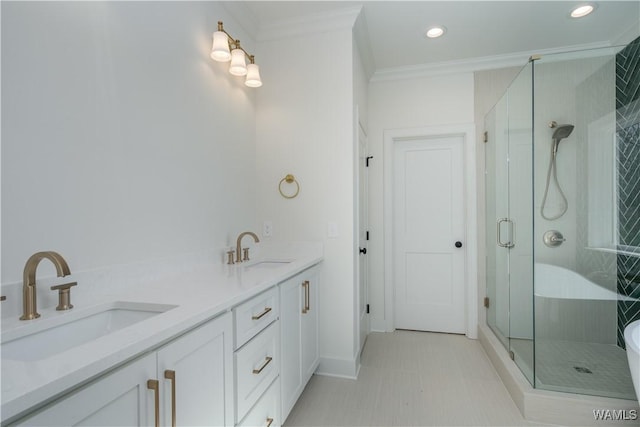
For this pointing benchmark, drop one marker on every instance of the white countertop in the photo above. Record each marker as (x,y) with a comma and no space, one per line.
(201,294)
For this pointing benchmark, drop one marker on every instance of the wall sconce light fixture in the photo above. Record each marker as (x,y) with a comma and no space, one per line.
(226,48)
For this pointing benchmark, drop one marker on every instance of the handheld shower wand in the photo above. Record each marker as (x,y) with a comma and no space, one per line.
(561,132)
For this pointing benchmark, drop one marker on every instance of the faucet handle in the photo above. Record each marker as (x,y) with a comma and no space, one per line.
(64,295)
(230,256)
(245,254)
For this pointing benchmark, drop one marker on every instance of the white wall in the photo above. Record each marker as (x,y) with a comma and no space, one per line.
(305,122)
(398,104)
(122,141)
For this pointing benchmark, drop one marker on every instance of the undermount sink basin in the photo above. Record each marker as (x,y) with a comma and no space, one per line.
(632,341)
(267,264)
(49,337)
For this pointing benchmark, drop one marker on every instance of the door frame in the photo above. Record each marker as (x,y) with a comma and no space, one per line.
(359,130)
(363,273)
(467,132)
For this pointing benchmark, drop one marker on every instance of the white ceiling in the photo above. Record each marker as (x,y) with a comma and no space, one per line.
(475,29)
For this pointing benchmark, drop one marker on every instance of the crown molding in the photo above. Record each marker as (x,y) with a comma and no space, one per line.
(334,20)
(473,64)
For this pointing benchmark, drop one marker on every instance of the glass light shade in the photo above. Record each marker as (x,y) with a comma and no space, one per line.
(253,76)
(238,65)
(220,50)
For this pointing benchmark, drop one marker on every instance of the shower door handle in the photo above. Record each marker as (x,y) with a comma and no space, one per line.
(509,244)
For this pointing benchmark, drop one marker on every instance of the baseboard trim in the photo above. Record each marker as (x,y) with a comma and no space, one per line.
(339,368)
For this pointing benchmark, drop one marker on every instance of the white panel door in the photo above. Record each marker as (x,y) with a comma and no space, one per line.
(428,217)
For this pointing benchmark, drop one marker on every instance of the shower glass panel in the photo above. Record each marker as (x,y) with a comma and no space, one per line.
(520,162)
(508,180)
(496,186)
(578,315)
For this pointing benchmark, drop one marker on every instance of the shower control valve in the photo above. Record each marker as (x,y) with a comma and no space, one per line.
(553,238)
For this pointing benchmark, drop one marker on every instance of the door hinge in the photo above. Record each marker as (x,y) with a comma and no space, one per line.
(367,308)
(366,162)
(486,136)
(486,302)
(367,235)
(512,355)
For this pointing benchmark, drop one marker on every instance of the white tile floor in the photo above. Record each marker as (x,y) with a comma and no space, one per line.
(411,379)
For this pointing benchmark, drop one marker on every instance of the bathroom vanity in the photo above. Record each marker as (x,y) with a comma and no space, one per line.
(226,345)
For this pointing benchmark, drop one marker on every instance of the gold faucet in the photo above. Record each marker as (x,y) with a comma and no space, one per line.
(29,304)
(239,247)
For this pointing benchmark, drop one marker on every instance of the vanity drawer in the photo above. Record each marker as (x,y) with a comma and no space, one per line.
(257,365)
(254,315)
(266,412)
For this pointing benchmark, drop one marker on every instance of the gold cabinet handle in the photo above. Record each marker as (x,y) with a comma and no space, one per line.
(306,307)
(269,422)
(261,315)
(267,360)
(154,385)
(171,375)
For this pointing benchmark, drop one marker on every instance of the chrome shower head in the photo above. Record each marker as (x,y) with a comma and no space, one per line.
(562,131)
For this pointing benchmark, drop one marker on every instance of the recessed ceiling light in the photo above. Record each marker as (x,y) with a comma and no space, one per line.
(581,11)
(435,32)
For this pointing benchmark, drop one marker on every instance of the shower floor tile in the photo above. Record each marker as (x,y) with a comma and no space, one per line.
(578,367)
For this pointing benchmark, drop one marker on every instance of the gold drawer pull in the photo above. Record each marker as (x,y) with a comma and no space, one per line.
(153,385)
(269,422)
(171,375)
(261,315)
(267,360)
(306,307)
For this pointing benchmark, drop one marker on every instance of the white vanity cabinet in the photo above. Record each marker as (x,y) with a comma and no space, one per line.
(246,367)
(299,335)
(199,370)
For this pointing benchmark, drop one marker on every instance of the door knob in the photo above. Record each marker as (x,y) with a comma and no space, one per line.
(363,251)
(458,244)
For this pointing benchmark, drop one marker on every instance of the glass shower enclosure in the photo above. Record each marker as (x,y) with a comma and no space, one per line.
(562,183)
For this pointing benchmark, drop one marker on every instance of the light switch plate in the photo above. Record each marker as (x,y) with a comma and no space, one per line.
(267,229)
(332,230)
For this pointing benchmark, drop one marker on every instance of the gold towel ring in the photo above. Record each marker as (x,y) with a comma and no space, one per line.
(289,179)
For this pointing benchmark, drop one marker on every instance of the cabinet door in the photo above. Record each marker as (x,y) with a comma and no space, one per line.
(309,337)
(121,398)
(291,295)
(196,374)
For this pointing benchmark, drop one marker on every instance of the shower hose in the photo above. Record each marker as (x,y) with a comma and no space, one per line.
(553,169)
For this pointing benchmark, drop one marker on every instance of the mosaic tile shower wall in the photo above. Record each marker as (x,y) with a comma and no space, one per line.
(628,163)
